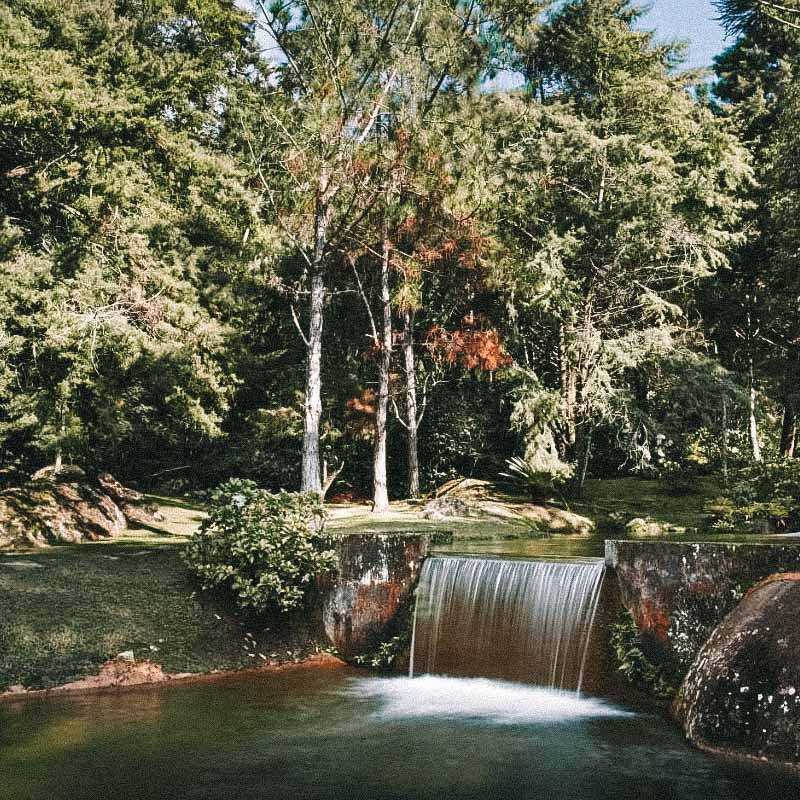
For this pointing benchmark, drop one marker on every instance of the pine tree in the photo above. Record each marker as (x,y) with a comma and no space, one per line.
(620,197)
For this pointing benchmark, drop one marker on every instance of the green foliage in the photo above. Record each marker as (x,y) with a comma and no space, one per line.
(265,548)
(465,432)
(164,183)
(541,471)
(120,207)
(536,482)
(634,664)
(769,491)
(384,659)
(619,197)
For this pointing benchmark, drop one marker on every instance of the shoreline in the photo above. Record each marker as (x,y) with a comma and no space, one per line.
(117,675)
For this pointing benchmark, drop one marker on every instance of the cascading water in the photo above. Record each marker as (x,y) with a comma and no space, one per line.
(525,621)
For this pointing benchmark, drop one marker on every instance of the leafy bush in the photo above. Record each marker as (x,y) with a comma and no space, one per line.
(536,480)
(265,548)
(768,492)
(681,477)
(385,657)
(634,664)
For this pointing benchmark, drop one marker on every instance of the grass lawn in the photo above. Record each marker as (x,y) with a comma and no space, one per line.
(634,497)
(66,610)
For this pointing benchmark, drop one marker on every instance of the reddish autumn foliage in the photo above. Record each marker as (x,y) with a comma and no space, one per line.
(471,348)
(363,403)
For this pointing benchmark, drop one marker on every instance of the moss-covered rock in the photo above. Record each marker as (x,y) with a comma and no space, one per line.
(67,508)
(742,693)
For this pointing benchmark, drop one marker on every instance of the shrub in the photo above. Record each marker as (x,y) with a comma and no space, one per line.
(681,477)
(538,481)
(634,664)
(768,492)
(265,548)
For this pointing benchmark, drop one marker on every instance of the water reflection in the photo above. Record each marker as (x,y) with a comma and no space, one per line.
(590,545)
(340,735)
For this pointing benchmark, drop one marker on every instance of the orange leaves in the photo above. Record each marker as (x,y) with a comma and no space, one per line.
(408,225)
(363,403)
(470,348)
(428,255)
(295,163)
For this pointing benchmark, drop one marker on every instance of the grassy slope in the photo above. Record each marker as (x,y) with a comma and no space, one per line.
(66,610)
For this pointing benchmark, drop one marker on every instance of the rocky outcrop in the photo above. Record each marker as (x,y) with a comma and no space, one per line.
(132,503)
(659,580)
(374,579)
(469,497)
(445,507)
(68,507)
(642,527)
(741,696)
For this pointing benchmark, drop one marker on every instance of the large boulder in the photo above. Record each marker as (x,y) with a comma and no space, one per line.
(741,696)
(132,503)
(470,497)
(640,526)
(447,506)
(66,508)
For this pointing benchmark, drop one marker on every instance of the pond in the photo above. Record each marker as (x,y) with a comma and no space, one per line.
(590,545)
(337,734)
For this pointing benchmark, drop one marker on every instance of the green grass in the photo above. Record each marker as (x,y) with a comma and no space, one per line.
(634,497)
(182,518)
(66,610)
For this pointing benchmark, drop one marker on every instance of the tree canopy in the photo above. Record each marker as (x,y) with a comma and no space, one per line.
(299,241)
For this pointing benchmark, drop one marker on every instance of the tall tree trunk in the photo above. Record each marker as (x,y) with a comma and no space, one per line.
(380,481)
(411,402)
(585,458)
(62,429)
(568,381)
(789,425)
(755,444)
(725,441)
(311,480)
(788,429)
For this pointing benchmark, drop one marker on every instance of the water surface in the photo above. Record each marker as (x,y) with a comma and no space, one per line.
(591,545)
(336,735)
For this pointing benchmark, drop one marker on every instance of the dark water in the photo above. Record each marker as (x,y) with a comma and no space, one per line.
(336,735)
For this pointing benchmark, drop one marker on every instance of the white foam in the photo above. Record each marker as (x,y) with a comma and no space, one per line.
(498,702)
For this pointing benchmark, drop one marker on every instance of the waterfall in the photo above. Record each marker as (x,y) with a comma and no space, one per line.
(526,621)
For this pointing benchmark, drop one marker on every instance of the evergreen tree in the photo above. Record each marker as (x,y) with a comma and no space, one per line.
(619,198)
(118,204)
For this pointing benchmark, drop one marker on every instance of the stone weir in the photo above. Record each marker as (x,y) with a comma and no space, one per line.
(738,606)
(376,575)
(656,580)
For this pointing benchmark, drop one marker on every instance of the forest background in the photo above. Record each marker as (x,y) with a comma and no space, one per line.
(296,241)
